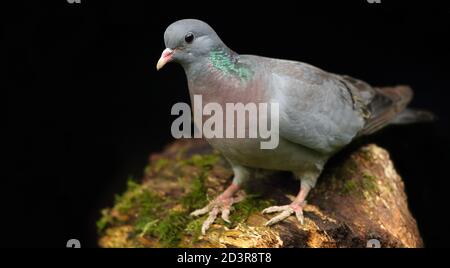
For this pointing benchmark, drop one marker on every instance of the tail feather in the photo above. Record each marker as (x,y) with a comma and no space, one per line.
(385,105)
(409,116)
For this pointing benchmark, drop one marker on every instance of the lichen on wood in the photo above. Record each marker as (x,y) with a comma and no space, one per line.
(359,198)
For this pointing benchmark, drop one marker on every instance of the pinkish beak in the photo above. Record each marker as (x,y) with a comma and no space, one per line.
(166,57)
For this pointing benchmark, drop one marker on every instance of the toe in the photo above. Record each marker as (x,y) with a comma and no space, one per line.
(200,212)
(211,218)
(274,209)
(283,215)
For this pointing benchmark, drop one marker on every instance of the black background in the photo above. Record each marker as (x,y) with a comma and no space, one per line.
(85,105)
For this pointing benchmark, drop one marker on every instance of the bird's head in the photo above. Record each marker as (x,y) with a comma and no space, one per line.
(188,41)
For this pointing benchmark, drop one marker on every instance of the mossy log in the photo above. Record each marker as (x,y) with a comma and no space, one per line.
(358,198)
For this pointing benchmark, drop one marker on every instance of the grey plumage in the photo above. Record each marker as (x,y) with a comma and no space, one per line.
(320,112)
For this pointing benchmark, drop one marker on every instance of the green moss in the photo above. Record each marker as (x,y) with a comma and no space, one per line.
(144,226)
(194,228)
(167,219)
(343,178)
(349,186)
(251,204)
(153,216)
(366,154)
(170,229)
(180,154)
(202,161)
(196,197)
(138,198)
(147,169)
(161,163)
(351,166)
(104,220)
(369,182)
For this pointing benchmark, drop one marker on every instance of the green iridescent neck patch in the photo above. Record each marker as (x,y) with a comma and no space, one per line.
(224,62)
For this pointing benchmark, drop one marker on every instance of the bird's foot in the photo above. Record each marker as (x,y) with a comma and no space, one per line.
(222,204)
(286,211)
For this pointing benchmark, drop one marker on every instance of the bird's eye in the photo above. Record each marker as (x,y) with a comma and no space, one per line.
(189,37)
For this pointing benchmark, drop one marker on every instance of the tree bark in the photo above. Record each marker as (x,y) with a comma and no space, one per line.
(359,201)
